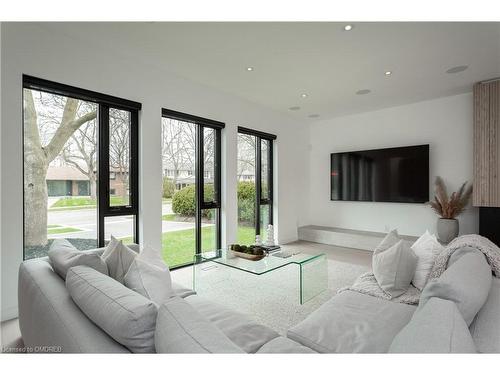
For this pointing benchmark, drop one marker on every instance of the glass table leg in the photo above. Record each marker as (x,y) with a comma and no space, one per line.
(313,277)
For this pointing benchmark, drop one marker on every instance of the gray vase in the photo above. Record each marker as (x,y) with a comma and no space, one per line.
(447,229)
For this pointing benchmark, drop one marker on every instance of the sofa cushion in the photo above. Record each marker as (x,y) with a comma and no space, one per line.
(182,329)
(48,317)
(438,327)
(283,345)
(240,329)
(63,255)
(181,290)
(394,268)
(426,249)
(123,314)
(118,258)
(466,282)
(485,328)
(352,322)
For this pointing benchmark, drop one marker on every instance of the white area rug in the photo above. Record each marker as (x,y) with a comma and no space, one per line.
(271,299)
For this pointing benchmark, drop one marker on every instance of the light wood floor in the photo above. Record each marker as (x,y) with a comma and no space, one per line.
(11,336)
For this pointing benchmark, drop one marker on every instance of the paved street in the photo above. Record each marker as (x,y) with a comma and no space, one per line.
(86,220)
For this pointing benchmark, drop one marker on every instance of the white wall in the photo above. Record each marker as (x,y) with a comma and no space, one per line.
(445,124)
(32,50)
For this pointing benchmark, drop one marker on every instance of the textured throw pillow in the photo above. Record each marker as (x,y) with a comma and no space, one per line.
(426,248)
(64,255)
(436,328)
(118,258)
(467,282)
(394,268)
(123,314)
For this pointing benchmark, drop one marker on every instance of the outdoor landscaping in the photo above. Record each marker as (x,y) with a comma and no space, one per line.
(82,202)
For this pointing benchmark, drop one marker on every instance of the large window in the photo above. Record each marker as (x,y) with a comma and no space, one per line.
(80,167)
(191,149)
(255,184)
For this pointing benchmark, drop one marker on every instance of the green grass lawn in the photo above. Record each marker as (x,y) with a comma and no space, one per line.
(178,247)
(78,202)
(168,217)
(58,229)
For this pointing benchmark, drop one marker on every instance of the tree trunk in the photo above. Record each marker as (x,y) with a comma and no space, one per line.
(35,197)
(93,186)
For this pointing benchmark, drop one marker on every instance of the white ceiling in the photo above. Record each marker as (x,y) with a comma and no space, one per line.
(320,59)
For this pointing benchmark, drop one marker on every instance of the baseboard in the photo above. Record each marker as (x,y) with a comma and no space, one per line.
(9,313)
(288,240)
(350,238)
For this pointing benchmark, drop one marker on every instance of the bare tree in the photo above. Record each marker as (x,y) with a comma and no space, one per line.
(37,158)
(119,147)
(179,145)
(246,154)
(80,153)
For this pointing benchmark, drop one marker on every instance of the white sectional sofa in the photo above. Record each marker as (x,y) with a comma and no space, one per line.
(187,323)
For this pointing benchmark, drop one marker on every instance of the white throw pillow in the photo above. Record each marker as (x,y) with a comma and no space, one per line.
(389,240)
(64,255)
(426,248)
(394,268)
(152,256)
(150,276)
(118,258)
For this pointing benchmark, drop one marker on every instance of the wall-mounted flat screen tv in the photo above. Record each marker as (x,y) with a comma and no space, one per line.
(399,174)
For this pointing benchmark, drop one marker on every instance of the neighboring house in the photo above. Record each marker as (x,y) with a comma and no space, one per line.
(65,180)
(185,175)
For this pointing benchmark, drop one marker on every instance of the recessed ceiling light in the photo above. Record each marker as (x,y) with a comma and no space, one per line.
(363,92)
(314,115)
(249,68)
(348,27)
(304,95)
(295,108)
(457,69)
(388,73)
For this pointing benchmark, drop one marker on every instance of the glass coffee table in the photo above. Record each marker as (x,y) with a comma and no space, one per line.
(309,271)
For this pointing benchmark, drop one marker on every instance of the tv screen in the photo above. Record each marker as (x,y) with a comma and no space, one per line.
(399,174)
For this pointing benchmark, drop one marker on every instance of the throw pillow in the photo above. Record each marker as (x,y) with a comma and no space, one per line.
(389,240)
(149,280)
(426,248)
(152,256)
(123,314)
(394,268)
(118,258)
(64,255)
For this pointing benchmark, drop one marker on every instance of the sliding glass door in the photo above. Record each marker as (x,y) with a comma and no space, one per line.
(191,149)
(255,184)
(80,166)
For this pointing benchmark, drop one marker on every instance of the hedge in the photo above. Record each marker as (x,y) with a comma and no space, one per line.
(184,201)
(168,187)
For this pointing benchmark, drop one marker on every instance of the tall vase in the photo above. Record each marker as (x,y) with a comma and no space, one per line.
(447,229)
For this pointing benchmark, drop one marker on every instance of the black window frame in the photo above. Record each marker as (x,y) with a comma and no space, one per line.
(259,200)
(104,102)
(201,124)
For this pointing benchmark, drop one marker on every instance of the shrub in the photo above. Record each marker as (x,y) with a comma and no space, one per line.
(246,201)
(168,187)
(184,201)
